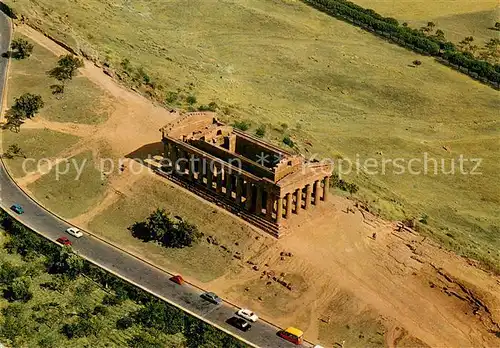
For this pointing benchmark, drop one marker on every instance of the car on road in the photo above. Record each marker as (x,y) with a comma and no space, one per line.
(75,232)
(239,323)
(177,279)
(248,315)
(17,208)
(292,334)
(63,241)
(211,297)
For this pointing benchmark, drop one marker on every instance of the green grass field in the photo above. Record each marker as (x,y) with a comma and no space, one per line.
(81,98)
(35,144)
(71,189)
(343,90)
(41,319)
(203,261)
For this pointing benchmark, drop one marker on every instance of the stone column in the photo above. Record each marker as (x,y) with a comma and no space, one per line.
(317,187)
(210,177)
(258,202)
(191,167)
(288,212)
(229,186)
(269,207)
(248,202)
(326,188)
(298,201)
(173,157)
(219,180)
(239,189)
(307,204)
(182,163)
(279,210)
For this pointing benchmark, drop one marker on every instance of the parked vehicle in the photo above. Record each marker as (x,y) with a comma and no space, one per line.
(239,323)
(211,297)
(292,334)
(75,232)
(63,241)
(177,279)
(248,315)
(17,208)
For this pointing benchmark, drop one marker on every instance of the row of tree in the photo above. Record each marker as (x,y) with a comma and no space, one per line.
(434,45)
(28,104)
(155,315)
(159,227)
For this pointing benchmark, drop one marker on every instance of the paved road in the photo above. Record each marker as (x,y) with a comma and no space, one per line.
(105,255)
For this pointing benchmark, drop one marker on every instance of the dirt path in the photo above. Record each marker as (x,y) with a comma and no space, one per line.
(416,288)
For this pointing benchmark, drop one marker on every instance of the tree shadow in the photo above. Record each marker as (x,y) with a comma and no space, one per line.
(7,10)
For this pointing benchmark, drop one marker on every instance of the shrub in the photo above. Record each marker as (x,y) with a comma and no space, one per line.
(100,310)
(18,290)
(171,97)
(417,62)
(288,141)
(241,125)
(124,323)
(261,131)
(191,99)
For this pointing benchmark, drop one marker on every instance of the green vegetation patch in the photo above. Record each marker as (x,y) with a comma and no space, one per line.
(57,301)
(72,187)
(80,102)
(35,144)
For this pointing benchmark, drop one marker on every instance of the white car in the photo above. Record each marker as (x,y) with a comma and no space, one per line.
(74,232)
(248,315)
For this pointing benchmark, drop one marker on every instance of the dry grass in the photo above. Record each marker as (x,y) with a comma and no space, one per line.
(457,19)
(71,188)
(342,89)
(35,144)
(202,261)
(81,99)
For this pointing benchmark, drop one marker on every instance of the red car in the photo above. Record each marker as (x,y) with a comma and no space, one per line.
(63,241)
(177,279)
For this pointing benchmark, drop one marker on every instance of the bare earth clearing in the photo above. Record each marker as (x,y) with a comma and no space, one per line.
(397,290)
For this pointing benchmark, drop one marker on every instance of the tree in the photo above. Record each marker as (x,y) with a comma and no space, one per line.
(18,290)
(27,105)
(66,262)
(146,339)
(14,119)
(439,35)
(15,323)
(124,323)
(21,48)
(14,150)
(184,234)
(9,272)
(66,69)
(497,25)
(159,227)
(160,316)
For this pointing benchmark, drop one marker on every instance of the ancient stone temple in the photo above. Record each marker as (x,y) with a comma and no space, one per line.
(258,181)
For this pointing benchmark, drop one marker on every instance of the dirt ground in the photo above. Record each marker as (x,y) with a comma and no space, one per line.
(330,276)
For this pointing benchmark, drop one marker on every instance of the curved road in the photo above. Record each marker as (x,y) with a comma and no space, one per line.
(124,265)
